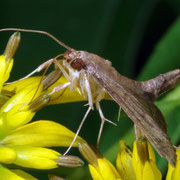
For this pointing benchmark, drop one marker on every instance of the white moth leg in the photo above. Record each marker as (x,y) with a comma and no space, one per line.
(88,89)
(41,67)
(62,69)
(103,119)
(77,132)
(60,87)
(73,85)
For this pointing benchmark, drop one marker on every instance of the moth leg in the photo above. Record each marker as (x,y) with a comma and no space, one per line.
(103,119)
(62,69)
(60,87)
(73,84)
(88,89)
(40,67)
(77,132)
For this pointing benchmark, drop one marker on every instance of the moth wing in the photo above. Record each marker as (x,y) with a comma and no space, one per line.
(143,113)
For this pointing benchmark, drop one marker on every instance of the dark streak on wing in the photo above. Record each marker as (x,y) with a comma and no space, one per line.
(143,113)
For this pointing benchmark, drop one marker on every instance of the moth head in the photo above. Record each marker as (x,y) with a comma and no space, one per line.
(74,59)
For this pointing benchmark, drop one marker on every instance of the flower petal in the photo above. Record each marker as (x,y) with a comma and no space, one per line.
(174,172)
(100,168)
(151,172)
(6,61)
(142,153)
(24,96)
(8,155)
(5,70)
(15,112)
(95,173)
(43,134)
(23,174)
(36,157)
(124,162)
(107,170)
(6,174)
(21,84)
(170,171)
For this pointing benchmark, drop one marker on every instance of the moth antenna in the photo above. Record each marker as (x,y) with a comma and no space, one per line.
(79,128)
(39,32)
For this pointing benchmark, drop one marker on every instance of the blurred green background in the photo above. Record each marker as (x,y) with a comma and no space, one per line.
(141,38)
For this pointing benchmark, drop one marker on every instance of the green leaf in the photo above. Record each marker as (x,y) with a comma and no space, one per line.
(166,55)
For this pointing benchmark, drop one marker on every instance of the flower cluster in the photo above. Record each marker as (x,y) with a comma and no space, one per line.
(138,164)
(23,143)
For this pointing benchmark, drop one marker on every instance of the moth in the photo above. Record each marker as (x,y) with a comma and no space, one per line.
(94,76)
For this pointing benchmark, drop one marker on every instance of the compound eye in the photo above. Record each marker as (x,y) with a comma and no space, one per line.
(78,64)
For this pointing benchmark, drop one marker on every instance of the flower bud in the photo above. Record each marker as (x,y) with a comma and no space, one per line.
(12,46)
(69,161)
(39,103)
(88,153)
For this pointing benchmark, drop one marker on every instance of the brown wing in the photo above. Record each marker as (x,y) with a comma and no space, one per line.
(143,113)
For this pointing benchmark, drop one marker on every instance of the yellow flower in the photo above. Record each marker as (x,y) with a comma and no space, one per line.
(6,63)
(14,174)
(137,165)
(99,167)
(174,172)
(124,162)
(6,60)
(63,96)
(144,161)
(25,144)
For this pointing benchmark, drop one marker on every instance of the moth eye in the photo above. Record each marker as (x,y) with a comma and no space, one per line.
(77,64)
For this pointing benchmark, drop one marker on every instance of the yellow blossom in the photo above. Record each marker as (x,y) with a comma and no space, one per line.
(144,161)
(6,60)
(137,165)
(100,168)
(25,144)
(9,155)
(124,162)
(63,96)
(174,172)
(5,69)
